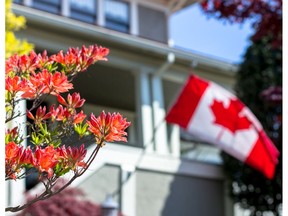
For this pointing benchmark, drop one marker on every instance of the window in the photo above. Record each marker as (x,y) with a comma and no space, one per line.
(18,1)
(52,6)
(84,10)
(117,15)
(196,149)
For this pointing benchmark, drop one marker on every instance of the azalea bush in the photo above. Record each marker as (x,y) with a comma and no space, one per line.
(34,77)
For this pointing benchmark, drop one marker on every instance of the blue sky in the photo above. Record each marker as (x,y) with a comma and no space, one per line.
(192,30)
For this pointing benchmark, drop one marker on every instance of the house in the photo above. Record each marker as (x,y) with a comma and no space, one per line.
(160,171)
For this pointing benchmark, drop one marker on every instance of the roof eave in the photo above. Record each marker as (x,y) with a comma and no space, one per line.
(52,21)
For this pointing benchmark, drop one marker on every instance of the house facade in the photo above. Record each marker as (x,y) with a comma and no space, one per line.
(161,170)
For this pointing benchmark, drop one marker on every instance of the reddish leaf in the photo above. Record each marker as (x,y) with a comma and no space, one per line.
(229,117)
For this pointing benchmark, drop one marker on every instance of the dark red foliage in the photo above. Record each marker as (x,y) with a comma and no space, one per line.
(69,202)
(273,94)
(267,15)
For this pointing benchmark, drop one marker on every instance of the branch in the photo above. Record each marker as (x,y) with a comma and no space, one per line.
(51,183)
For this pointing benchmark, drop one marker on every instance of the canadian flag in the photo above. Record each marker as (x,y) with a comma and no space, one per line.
(212,114)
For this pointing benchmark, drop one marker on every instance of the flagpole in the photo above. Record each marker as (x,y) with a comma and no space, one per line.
(220,134)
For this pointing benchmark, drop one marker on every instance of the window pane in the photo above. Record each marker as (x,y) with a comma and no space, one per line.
(84,10)
(18,1)
(52,6)
(87,6)
(112,24)
(117,15)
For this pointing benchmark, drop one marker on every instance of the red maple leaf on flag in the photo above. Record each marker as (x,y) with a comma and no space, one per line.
(229,117)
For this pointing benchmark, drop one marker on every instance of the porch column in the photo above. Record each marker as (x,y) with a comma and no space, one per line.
(128,190)
(101,13)
(134,18)
(144,110)
(175,140)
(65,10)
(159,113)
(15,189)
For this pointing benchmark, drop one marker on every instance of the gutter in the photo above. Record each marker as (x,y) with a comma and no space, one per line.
(164,67)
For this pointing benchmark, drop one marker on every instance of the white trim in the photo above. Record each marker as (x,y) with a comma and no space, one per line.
(134,21)
(28,3)
(124,156)
(159,113)
(95,108)
(151,5)
(128,192)
(144,110)
(175,140)
(176,5)
(65,9)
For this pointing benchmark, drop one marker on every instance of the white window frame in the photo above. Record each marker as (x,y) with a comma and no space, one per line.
(67,11)
(130,21)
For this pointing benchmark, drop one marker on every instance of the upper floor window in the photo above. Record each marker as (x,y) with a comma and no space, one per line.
(52,6)
(117,15)
(84,10)
(18,1)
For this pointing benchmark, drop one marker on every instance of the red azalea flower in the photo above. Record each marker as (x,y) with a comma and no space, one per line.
(46,159)
(12,65)
(59,114)
(60,83)
(14,85)
(109,128)
(40,116)
(26,156)
(45,82)
(73,101)
(11,151)
(28,63)
(23,64)
(73,157)
(11,135)
(34,87)
(76,60)
(117,128)
(11,166)
(79,117)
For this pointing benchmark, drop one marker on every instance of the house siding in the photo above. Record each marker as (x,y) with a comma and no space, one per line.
(152,24)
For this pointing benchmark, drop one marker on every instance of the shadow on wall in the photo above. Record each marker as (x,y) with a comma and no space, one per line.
(162,194)
(194,197)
